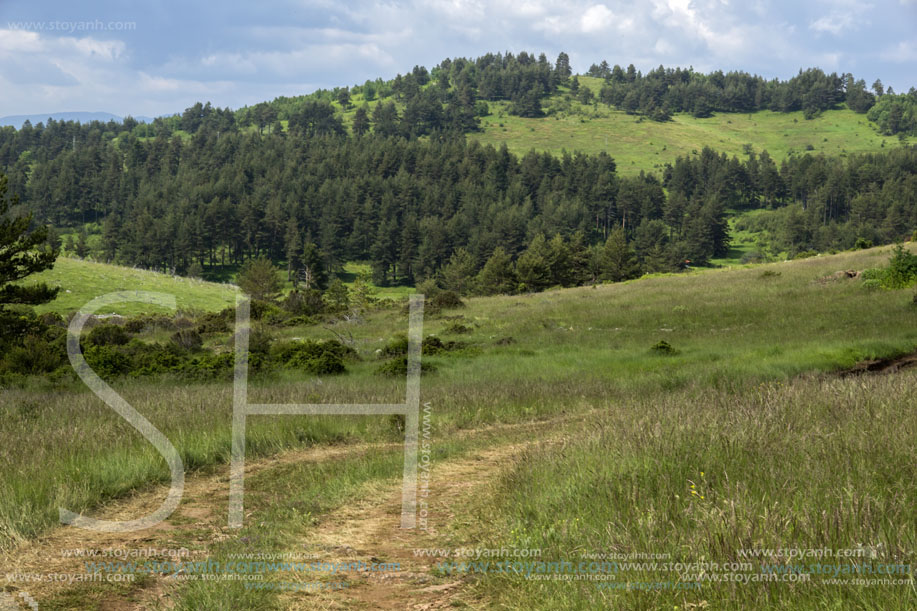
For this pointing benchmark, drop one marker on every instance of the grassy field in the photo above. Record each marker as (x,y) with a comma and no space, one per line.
(81,281)
(641,144)
(736,438)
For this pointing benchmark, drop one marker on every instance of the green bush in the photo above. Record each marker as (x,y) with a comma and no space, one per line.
(902,268)
(399,367)
(299,321)
(107,361)
(107,335)
(259,342)
(304,303)
(664,348)
(36,355)
(188,339)
(149,321)
(457,328)
(432,345)
(862,243)
(212,322)
(267,311)
(319,358)
(444,300)
(397,346)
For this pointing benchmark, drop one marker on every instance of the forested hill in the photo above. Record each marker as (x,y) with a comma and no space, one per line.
(401,186)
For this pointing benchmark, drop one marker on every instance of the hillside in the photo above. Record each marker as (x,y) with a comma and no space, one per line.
(638,144)
(81,281)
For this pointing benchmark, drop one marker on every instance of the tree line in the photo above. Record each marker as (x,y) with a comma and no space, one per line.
(409,205)
(663,91)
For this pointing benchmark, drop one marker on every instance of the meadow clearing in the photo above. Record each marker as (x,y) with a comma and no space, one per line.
(688,417)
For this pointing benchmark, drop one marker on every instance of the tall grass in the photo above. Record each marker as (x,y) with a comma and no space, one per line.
(702,473)
(574,349)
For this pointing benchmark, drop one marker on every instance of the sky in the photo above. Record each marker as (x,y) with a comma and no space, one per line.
(160,56)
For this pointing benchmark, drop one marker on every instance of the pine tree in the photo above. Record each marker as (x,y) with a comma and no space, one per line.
(533,266)
(361,121)
(337,297)
(22,253)
(258,278)
(82,244)
(497,275)
(458,274)
(619,262)
(292,247)
(314,275)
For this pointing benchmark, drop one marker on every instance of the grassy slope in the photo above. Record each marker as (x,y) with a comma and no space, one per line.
(647,145)
(82,281)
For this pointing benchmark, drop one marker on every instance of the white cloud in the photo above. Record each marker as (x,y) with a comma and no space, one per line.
(19,41)
(596,19)
(835,23)
(903,52)
(845,15)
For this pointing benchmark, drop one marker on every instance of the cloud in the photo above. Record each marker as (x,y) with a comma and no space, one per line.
(845,15)
(182,52)
(903,52)
(596,19)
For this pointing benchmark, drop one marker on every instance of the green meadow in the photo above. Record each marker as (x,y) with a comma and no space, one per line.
(82,281)
(641,144)
(713,421)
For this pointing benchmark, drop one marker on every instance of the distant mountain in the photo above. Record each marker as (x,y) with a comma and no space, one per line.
(83,117)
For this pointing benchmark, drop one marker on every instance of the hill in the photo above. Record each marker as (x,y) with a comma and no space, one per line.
(638,144)
(81,281)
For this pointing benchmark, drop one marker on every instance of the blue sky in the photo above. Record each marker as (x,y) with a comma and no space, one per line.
(158,57)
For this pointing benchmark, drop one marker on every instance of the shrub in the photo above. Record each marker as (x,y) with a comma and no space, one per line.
(212,322)
(663,347)
(52,319)
(299,321)
(209,366)
(134,325)
(308,301)
(35,355)
(446,299)
(139,323)
(107,335)
(399,367)
(262,310)
(189,339)
(902,268)
(432,345)
(457,328)
(319,358)
(107,361)
(862,243)
(259,342)
(397,346)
